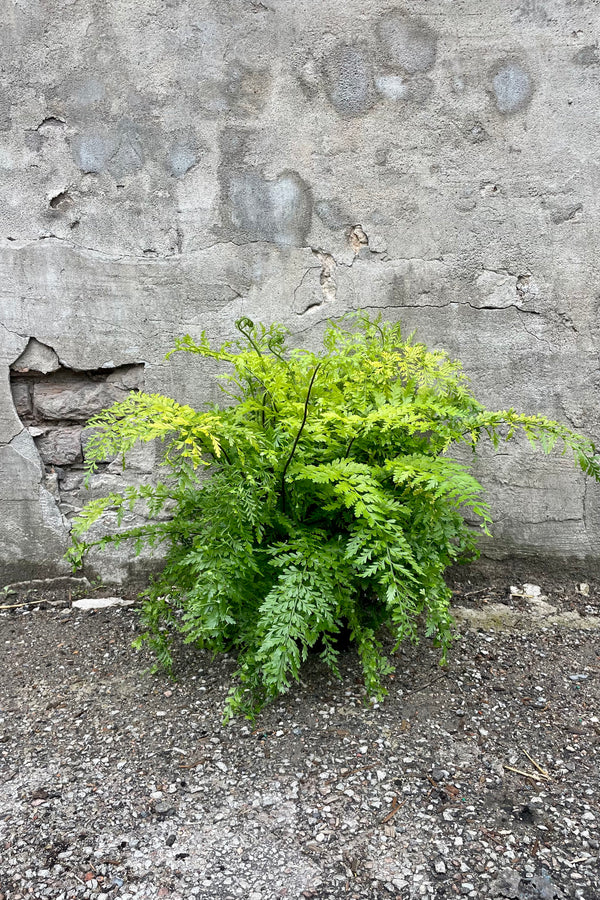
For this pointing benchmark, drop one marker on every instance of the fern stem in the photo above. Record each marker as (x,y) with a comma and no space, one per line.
(225,453)
(263,385)
(245,327)
(264,397)
(278,355)
(300,430)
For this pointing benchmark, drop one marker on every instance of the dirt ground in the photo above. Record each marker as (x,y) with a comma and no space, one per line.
(479,779)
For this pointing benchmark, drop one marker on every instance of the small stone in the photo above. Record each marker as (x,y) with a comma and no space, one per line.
(440,774)
(75,400)
(440,867)
(130,378)
(100,602)
(164,808)
(528,592)
(507,884)
(22,398)
(170,840)
(60,446)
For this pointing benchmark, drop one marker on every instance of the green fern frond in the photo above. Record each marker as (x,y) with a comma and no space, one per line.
(323,495)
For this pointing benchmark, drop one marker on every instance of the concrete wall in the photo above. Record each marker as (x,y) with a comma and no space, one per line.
(167,165)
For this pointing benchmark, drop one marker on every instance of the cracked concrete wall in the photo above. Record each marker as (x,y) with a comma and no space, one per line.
(167,166)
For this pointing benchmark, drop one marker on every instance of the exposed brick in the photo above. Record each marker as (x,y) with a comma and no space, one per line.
(60,446)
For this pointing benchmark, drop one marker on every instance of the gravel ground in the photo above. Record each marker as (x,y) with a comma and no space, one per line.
(477,780)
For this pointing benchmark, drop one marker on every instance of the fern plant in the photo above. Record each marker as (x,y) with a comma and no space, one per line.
(330,502)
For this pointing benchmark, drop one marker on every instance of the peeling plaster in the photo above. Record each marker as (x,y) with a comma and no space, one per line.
(54,406)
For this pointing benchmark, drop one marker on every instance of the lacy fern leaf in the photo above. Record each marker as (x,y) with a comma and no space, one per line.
(321,497)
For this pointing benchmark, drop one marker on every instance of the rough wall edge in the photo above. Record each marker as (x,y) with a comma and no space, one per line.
(24,573)
(524,567)
(549,572)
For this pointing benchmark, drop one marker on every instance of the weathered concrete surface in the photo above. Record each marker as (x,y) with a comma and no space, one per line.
(184,163)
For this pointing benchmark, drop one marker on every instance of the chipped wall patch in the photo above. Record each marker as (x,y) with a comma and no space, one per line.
(54,404)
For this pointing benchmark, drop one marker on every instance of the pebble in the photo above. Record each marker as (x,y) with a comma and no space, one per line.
(164,808)
(88,603)
(440,774)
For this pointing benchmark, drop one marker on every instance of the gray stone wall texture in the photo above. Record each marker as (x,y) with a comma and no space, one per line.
(169,165)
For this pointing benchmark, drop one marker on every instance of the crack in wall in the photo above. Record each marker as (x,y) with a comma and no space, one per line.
(536,337)
(60,200)
(51,122)
(546,519)
(484,306)
(327,277)
(299,286)
(358,240)
(13,333)
(101,254)
(478,307)
(327,282)
(154,256)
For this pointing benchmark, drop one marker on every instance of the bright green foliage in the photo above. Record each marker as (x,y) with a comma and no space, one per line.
(329,502)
